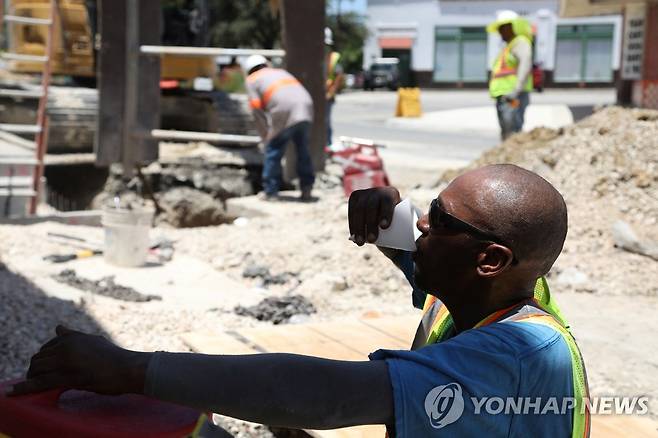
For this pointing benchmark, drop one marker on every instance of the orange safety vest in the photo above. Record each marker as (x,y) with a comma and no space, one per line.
(261,103)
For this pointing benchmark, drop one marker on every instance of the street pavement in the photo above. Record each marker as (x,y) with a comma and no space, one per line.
(456,127)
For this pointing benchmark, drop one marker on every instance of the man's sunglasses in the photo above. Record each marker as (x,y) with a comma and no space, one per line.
(440,219)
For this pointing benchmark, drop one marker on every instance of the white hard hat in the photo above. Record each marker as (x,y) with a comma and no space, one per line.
(253,61)
(502,17)
(506,15)
(328,36)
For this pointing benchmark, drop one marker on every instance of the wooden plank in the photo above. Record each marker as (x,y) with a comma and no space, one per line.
(358,336)
(216,343)
(111,77)
(299,339)
(402,328)
(375,431)
(613,426)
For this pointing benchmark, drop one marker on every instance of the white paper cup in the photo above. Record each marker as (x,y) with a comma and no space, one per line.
(402,233)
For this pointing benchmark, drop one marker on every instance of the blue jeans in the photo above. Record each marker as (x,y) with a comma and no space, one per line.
(274,151)
(327,119)
(510,118)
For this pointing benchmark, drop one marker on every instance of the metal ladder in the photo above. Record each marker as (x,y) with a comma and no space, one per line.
(40,129)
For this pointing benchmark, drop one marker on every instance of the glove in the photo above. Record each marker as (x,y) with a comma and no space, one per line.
(513,99)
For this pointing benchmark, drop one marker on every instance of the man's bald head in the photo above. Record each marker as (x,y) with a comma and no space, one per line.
(519,207)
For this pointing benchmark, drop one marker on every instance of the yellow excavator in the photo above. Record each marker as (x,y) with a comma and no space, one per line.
(73,101)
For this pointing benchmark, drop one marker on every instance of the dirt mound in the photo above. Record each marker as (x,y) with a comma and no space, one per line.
(606,167)
(184,207)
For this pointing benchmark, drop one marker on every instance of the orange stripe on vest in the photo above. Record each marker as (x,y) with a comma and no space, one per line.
(504,70)
(276,86)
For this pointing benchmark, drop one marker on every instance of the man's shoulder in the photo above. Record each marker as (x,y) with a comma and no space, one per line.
(521,43)
(519,339)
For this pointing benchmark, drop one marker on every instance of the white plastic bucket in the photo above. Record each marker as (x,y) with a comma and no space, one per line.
(126,235)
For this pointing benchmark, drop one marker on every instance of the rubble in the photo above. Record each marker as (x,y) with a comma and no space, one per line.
(184,207)
(105,287)
(263,272)
(606,167)
(278,310)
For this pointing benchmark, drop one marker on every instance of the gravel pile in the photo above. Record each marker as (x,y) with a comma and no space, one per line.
(28,319)
(606,167)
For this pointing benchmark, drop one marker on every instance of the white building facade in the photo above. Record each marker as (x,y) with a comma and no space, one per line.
(444,43)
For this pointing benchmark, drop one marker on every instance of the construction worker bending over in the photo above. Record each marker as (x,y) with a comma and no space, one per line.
(511,79)
(492,357)
(283,110)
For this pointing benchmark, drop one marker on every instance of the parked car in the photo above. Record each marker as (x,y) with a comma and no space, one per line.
(382,73)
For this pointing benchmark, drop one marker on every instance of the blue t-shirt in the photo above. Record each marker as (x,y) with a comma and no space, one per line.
(511,379)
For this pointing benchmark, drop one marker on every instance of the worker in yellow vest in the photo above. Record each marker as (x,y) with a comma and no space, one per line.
(334,78)
(511,78)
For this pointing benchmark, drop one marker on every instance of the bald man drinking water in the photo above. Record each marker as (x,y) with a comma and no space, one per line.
(493,356)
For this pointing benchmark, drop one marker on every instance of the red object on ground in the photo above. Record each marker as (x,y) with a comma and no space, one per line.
(363,168)
(82,414)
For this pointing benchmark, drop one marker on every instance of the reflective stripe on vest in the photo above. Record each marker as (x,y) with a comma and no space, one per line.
(276,86)
(504,69)
(581,411)
(442,321)
(261,103)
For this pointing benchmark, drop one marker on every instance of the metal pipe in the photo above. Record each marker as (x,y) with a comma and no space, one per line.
(207,51)
(211,137)
(27,20)
(22,57)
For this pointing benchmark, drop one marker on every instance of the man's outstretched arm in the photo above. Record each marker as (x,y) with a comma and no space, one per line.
(283,390)
(276,389)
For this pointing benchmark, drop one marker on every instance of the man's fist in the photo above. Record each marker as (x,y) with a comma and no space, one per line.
(370,209)
(75,360)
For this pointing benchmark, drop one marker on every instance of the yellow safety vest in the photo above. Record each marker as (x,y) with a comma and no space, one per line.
(503,74)
(548,313)
(334,57)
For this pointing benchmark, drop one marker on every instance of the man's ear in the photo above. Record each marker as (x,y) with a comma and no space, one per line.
(494,260)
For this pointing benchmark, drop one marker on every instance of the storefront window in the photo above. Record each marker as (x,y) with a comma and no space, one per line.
(461,54)
(584,53)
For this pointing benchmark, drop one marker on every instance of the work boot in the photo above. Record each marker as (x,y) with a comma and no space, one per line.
(306,194)
(269,197)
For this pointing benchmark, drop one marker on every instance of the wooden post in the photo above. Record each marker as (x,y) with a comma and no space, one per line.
(142,112)
(128,84)
(111,79)
(303,40)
